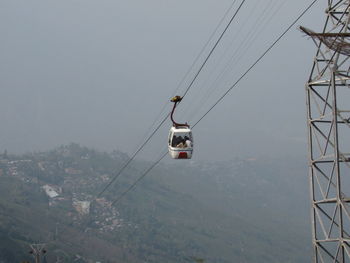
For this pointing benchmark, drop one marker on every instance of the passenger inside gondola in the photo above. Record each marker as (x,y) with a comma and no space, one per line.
(181,142)
(176,140)
(188,142)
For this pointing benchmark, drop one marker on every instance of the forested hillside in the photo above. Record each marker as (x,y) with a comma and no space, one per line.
(254,210)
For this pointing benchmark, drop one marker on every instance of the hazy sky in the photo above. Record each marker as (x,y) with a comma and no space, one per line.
(98,72)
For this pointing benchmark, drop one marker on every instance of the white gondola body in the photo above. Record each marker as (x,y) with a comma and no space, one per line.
(180,142)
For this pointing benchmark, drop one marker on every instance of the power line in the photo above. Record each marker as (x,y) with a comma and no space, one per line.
(220,99)
(186,91)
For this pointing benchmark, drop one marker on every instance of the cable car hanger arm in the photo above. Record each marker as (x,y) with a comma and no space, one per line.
(176,100)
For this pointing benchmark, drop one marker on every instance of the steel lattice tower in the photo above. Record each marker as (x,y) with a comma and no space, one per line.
(37,250)
(328,120)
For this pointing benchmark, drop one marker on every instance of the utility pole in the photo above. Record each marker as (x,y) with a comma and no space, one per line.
(37,250)
(328,122)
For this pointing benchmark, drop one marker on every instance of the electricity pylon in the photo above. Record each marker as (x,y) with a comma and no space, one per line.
(328,120)
(37,250)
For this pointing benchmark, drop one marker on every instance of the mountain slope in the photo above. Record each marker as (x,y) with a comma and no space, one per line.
(238,211)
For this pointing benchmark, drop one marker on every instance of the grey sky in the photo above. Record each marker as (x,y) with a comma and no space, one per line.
(99,72)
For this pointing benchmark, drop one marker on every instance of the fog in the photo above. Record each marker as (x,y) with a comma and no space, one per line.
(99,73)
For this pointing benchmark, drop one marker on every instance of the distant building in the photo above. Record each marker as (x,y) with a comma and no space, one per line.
(50,191)
(41,166)
(103,202)
(73,171)
(82,207)
(13,171)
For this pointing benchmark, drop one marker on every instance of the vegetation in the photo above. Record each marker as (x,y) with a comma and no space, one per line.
(238,211)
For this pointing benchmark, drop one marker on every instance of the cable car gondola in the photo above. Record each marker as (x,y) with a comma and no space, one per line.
(180,140)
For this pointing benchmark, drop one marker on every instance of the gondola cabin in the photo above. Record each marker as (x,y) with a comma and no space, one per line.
(180,142)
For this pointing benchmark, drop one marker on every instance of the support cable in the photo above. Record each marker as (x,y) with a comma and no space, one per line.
(139,179)
(246,43)
(212,50)
(258,60)
(132,158)
(186,91)
(192,66)
(118,199)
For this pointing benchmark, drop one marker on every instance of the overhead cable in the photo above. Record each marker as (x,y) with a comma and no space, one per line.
(164,119)
(195,61)
(257,61)
(139,179)
(238,53)
(118,199)
(212,50)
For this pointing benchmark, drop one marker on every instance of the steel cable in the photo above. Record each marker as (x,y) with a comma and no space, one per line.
(240,52)
(191,67)
(186,91)
(118,199)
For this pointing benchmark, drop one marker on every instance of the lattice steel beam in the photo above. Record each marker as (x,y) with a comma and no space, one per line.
(328,120)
